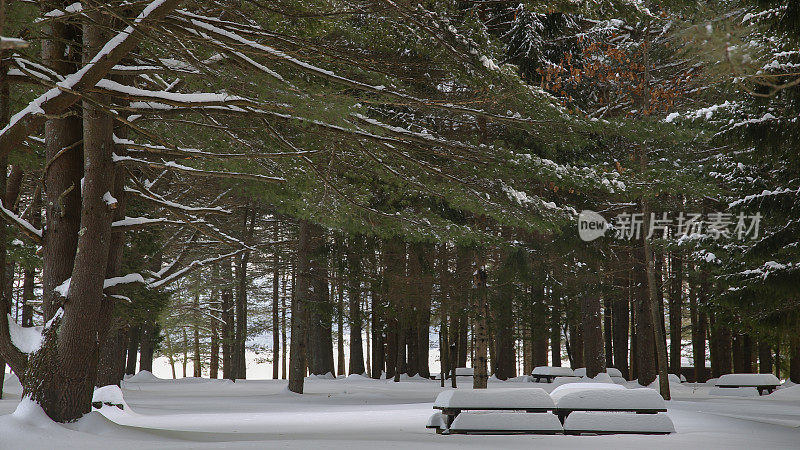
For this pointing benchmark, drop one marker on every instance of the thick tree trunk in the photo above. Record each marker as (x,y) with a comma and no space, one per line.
(240,336)
(61,374)
(555,329)
(150,332)
(481,315)
(593,353)
(228,370)
(134,335)
(112,359)
(197,363)
(620,321)
(764,357)
(424,254)
(608,334)
(655,297)
(354,304)
(645,336)
(276,276)
(794,359)
(213,364)
(377,325)
(319,308)
(340,364)
(310,249)
(675,311)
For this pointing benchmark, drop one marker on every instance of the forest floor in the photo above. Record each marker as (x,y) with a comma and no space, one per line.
(358,413)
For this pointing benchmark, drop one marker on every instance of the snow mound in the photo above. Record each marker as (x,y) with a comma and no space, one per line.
(672,378)
(357,377)
(610,399)
(530,398)
(553,371)
(599,378)
(436,420)
(325,376)
(734,392)
(788,393)
(30,413)
(144,376)
(712,381)
(619,380)
(611,371)
(560,381)
(748,379)
(109,396)
(506,421)
(520,379)
(612,422)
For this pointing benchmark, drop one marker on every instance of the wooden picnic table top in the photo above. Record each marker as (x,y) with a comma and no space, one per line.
(747,385)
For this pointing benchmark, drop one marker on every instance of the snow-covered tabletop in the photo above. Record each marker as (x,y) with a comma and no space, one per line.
(761,381)
(529,399)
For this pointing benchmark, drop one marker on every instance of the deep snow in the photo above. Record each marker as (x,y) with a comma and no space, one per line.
(356,413)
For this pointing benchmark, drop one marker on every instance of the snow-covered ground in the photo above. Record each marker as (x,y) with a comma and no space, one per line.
(355,412)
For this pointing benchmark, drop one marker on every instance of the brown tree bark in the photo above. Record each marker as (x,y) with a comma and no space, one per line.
(354,255)
(61,374)
(134,333)
(227,338)
(555,328)
(764,357)
(276,276)
(240,334)
(593,353)
(675,312)
(620,319)
(645,336)
(310,242)
(481,315)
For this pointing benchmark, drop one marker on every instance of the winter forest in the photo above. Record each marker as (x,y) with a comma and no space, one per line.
(317,223)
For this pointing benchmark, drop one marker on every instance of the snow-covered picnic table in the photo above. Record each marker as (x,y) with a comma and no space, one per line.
(549,373)
(606,397)
(761,381)
(452,402)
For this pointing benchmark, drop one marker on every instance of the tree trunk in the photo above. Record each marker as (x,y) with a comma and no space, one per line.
(593,353)
(240,336)
(228,370)
(133,349)
(794,359)
(354,305)
(198,369)
(555,329)
(61,374)
(481,311)
(111,368)
(675,310)
(150,331)
(764,357)
(656,303)
(310,245)
(645,335)
(319,308)
(276,276)
(608,334)
(620,321)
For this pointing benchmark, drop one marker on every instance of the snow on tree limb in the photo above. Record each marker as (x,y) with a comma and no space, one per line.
(201,22)
(172,165)
(158,283)
(56,100)
(23,225)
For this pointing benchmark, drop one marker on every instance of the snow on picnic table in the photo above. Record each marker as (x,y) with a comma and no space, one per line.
(369,414)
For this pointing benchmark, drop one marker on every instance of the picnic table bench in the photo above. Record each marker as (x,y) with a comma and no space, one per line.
(453,402)
(763,382)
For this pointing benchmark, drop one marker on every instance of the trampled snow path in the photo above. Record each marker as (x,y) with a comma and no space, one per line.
(359,413)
